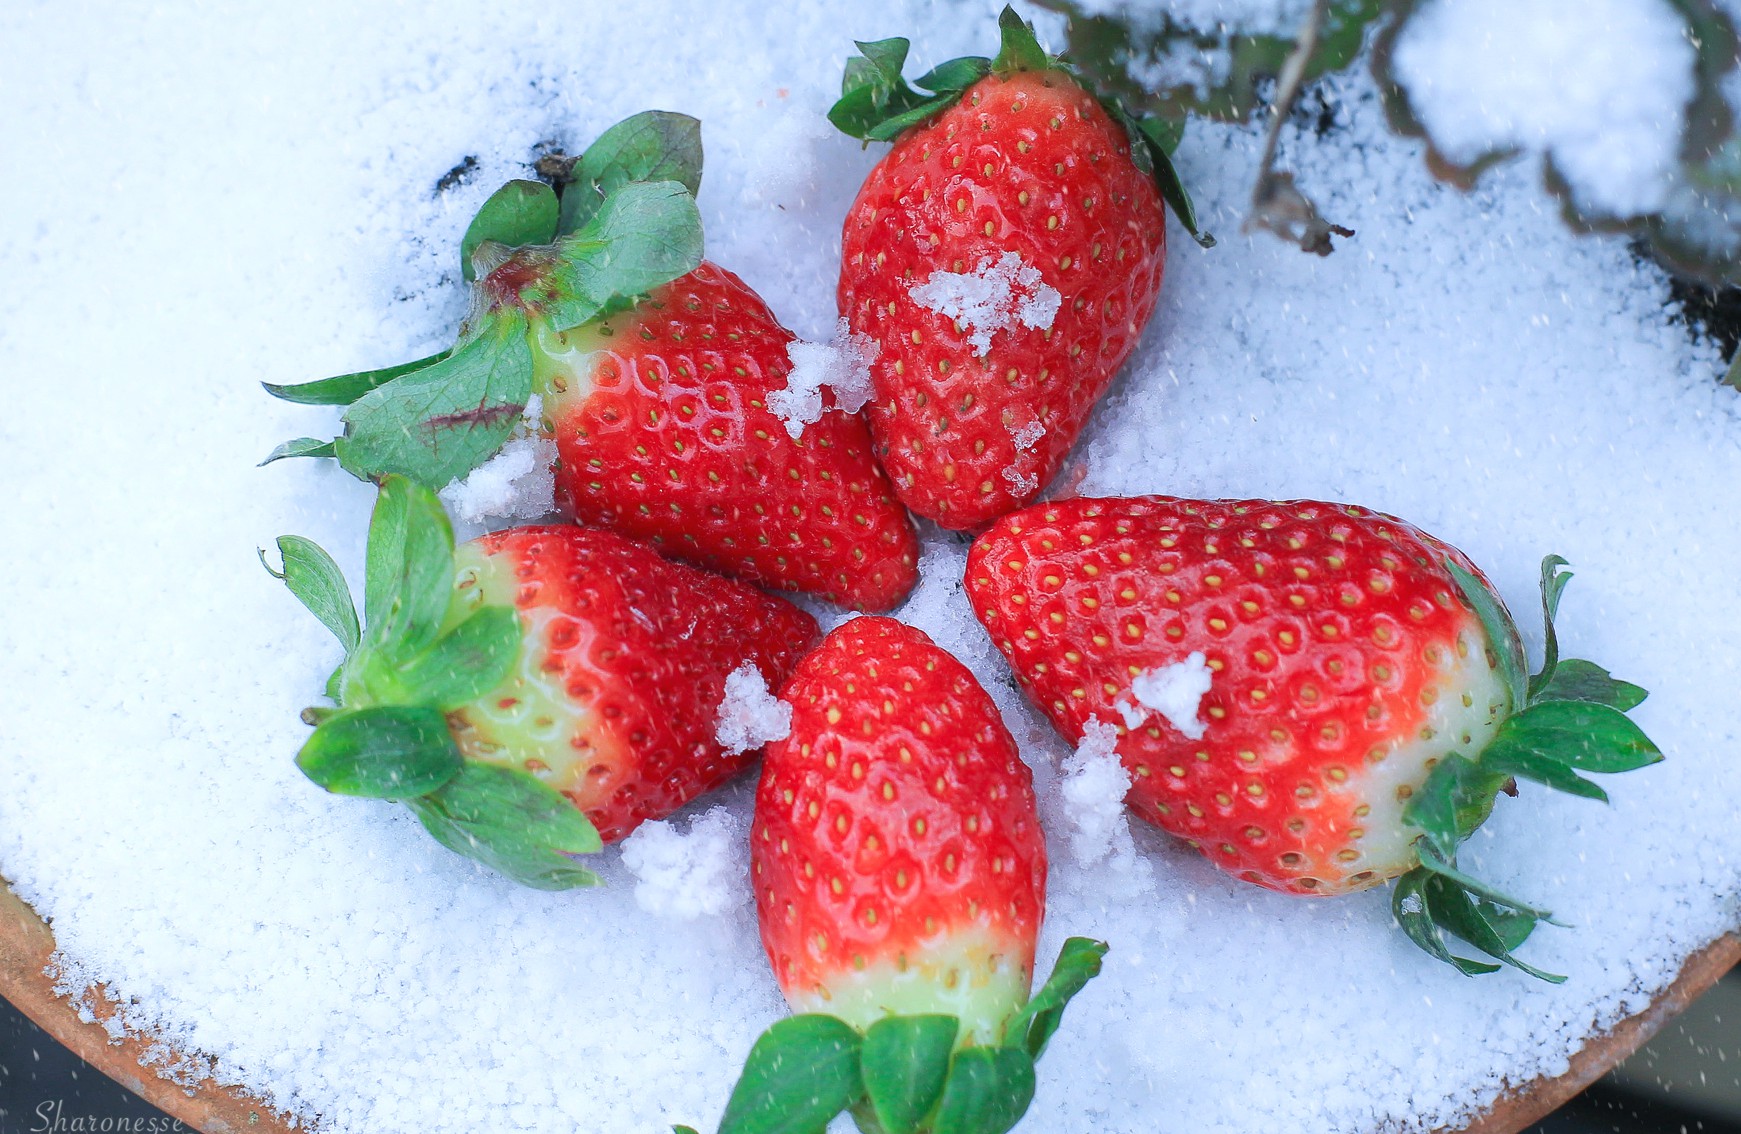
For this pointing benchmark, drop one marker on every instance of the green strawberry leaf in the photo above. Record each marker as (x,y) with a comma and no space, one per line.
(1018,50)
(954,76)
(1579,734)
(988,1091)
(441,422)
(520,212)
(644,235)
(1456,798)
(1152,142)
(1434,863)
(319,585)
(1408,904)
(1553,585)
(347,388)
(513,823)
(655,145)
(381,752)
(1501,632)
(1577,680)
(904,1061)
(1451,908)
(466,662)
(1078,963)
(408,573)
(801,1072)
(299,447)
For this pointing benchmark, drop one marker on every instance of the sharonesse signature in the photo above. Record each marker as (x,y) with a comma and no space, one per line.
(52,1118)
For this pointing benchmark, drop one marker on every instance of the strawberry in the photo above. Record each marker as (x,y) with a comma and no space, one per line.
(1317,697)
(900,878)
(536,693)
(1005,256)
(653,371)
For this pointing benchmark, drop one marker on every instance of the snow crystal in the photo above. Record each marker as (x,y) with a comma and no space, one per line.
(842,365)
(518,483)
(686,876)
(1175,691)
(314,947)
(1601,85)
(1028,436)
(749,715)
(997,294)
(1093,789)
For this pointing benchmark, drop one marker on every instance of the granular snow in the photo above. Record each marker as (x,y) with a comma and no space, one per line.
(997,294)
(1601,85)
(749,715)
(686,876)
(842,366)
(1175,691)
(1465,362)
(518,483)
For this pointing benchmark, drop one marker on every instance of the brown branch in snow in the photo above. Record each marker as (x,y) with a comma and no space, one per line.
(1276,204)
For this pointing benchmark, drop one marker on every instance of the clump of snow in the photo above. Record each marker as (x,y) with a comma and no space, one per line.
(997,294)
(689,875)
(518,483)
(749,715)
(1028,436)
(1094,787)
(1021,483)
(842,366)
(1174,691)
(1602,86)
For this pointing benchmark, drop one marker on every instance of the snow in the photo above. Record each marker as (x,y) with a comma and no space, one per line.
(1093,789)
(518,483)
(842,365)
(1465,362)
(749,715)
(689,875)
(998,294)
(1601,86)
(1175,691)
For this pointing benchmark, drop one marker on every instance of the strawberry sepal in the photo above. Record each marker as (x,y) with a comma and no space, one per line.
(624,223)
(904,1074)
(404,669)
(1569,717)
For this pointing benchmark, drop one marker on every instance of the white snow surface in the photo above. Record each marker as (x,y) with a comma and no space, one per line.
(687,875)
(1601,85)
(518,483)
(842,365)
(749,715)
(265,209)
(998,294)
(1175,691)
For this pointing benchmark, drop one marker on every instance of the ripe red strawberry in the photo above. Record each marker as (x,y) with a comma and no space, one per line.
(663,431)
(654,370)
(540,691)
(900,879)
(1317,697)
(1005,255)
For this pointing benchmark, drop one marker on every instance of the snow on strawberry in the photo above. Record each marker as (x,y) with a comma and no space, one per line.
(1317,697)
(536,693)
(900,879)
(653,371)
(1005,256)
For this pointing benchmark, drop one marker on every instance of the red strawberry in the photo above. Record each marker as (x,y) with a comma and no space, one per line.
(900,878)
(540,691)
(663,431)
(655,372)
(1317,697)
(1005,255)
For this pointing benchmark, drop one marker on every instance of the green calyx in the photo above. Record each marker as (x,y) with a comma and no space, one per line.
(415,656)
(621,222)
(903,1074)
(1567,718)
(877,103)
